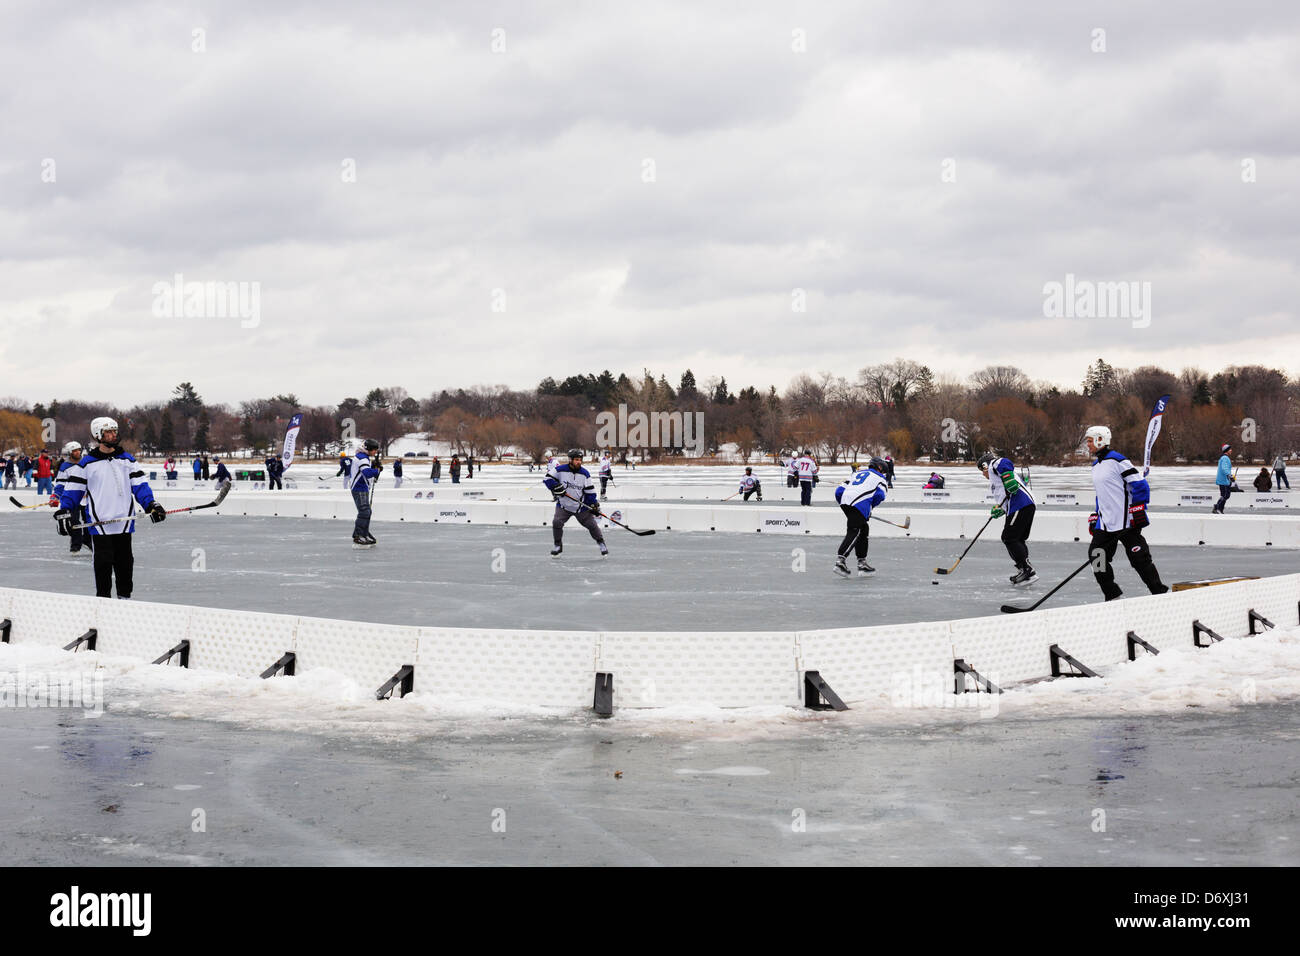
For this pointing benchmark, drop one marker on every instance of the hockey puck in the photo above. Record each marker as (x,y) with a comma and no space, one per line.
(935,581)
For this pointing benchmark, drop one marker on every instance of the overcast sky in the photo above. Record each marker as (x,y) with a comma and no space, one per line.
(647,183)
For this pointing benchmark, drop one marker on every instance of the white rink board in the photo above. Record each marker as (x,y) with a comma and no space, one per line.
(872,666)
(1243,529)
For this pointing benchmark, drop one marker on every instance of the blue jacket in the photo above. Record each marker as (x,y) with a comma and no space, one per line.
(222,474)
(1224,477)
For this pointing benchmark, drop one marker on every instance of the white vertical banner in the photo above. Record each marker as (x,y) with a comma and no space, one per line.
(290,440)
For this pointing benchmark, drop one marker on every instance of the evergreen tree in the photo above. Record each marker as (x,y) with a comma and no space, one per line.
(185,400)
(167,434)
(687,387)
(201,436)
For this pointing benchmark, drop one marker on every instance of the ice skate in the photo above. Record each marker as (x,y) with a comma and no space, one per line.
(555,551)
(1025,577)
(842,569)
(864,569)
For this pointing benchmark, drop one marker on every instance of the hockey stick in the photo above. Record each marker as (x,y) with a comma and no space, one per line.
(1011,609)
(19,504)
(728,498)
(969,546)
(221,496)
(907,521)
(596,511)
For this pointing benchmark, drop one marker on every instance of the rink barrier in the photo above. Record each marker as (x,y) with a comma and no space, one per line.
(1059,657)
(89,639)
(1167,528)
(1134,642)
(286,665)
(889,665)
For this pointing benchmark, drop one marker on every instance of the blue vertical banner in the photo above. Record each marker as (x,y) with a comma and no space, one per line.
(1153,432)
(290,440)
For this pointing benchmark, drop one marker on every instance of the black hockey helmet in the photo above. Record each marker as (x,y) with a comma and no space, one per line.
(371,445)
(877,464)
(749,471)
(986,459)
(575,453)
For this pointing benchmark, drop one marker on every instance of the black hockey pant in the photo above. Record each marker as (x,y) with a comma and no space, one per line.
(756,490)
(1015,534)
(112,556)
(362,527)
(1102,553)
(805,491)
(857,538)
(585,518)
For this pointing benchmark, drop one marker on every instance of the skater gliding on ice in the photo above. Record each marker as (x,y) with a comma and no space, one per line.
(575,497)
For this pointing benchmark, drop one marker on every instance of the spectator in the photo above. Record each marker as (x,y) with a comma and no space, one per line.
(889,471)
(198,467)
(436,473)
(206,464)
(1223,478)
(455,469)
(397,472)
(936,480)
(1263,483)
(11,471)
(1279,473)
(44,469)
(25,465)
(469,462)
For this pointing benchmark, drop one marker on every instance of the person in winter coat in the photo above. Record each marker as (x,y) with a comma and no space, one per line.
(206,466)
(1223,478)
(455,469)
(436,473)
(1263,482)
(44,469)
(397,472)
(197,465)
(222,474)
(1279,473)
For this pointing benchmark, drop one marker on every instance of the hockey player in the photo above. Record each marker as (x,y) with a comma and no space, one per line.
(360,481)
(606,473)
(1122,497)
(751,485)
(111,484)
(575,497)
(1018,505)
(792,471)
(806,465)
(857,496)
(80,536)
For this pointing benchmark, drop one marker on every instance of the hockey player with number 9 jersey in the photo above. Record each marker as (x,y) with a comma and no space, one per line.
(857,496)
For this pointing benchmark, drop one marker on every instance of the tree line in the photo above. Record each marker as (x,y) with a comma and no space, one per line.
(900,407)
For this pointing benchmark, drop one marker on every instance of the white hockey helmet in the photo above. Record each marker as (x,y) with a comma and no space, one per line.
(100,425)
(71,446)
(1100,434)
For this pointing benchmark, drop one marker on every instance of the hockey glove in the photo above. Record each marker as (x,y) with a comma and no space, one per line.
(1092,523)
(593,507)
(64,518)
(996,511)
(156,512)
(54,501)
(1137,516)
